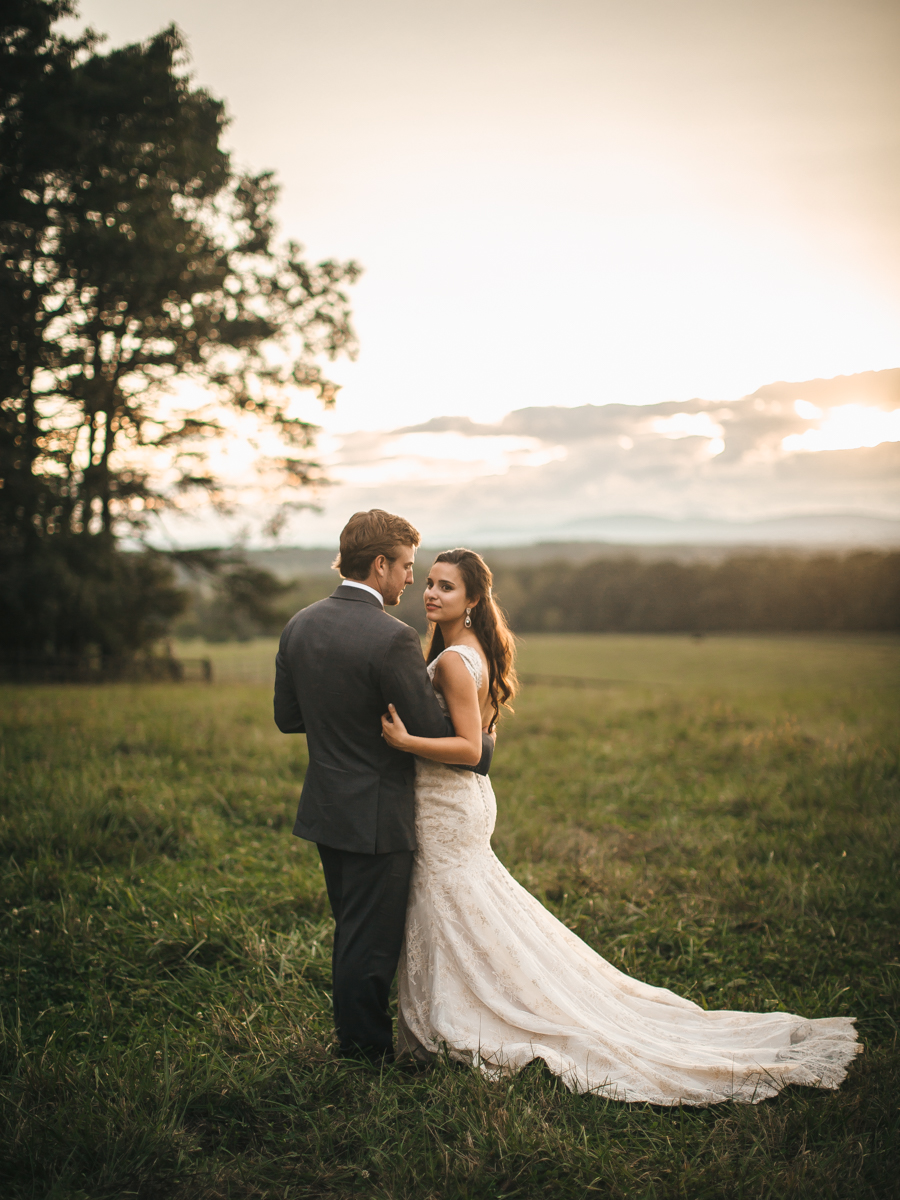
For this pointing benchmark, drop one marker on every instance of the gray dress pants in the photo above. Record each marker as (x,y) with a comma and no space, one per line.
(368,895)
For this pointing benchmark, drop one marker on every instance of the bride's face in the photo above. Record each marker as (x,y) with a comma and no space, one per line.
(445,593)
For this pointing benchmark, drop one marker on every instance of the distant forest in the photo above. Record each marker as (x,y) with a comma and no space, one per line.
(744,593)
(747,593)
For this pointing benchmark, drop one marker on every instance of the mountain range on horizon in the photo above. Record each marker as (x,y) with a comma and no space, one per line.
(797,530)
(646,538)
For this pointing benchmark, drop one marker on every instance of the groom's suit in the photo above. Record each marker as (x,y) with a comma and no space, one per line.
(340,663)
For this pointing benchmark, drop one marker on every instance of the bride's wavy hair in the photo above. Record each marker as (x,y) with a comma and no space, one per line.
(489,626)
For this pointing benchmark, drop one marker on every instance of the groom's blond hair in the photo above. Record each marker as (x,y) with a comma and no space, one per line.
(368,534)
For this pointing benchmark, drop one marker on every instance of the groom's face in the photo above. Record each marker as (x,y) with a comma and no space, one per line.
(398,574)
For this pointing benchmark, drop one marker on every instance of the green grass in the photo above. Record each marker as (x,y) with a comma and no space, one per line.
(724,821)
(722,663)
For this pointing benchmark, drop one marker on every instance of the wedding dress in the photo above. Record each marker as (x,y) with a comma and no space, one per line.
(490,976)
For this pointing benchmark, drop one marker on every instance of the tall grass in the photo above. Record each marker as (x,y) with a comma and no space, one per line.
(724,822)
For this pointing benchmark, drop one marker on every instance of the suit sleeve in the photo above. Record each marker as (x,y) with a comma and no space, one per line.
(405,684)
(487,753)
(288,716)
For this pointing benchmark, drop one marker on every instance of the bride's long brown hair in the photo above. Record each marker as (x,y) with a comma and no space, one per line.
(489,626)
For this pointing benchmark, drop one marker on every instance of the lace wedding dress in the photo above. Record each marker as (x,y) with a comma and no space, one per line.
(488,974)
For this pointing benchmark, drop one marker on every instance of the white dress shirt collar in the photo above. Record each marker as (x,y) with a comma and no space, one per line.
(365,587)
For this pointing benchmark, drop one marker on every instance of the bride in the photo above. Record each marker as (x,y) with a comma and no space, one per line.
(488,974)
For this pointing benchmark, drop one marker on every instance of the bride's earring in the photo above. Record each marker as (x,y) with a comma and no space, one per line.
(468,620)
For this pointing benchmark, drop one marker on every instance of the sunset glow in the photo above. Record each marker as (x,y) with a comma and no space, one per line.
(847,427)
(550,201)
(609,265)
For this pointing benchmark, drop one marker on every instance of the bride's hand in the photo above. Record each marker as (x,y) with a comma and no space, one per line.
(393,730)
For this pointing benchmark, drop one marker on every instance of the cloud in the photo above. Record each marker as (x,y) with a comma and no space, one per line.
(436,453)
(553,473)
(550,472)
(701,424)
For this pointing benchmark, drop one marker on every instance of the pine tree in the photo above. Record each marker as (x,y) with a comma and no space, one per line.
(133,258)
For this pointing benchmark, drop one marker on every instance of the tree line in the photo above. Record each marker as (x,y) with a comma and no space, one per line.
(745,593)
(750,593)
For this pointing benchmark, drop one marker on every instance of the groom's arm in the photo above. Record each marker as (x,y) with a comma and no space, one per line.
(405,684)
(288,715)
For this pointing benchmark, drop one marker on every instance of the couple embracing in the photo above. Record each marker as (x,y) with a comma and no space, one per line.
(397,799)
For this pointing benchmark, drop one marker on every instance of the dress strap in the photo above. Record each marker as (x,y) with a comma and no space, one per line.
(471,658)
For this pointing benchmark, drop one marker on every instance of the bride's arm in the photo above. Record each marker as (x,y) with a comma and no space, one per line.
(461,695)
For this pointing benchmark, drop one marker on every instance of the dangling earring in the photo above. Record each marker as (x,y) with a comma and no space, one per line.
(468,620)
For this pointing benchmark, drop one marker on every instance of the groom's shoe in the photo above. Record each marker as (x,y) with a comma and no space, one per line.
(367,1056)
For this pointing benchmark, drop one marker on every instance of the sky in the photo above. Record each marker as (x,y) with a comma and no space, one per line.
(815,463)
(569,202)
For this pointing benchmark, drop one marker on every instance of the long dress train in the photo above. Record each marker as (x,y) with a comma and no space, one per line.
(488,974)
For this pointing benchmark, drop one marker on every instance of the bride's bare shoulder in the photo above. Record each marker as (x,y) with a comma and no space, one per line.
(457,661)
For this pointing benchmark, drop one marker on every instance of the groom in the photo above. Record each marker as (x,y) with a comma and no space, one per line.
(340,663)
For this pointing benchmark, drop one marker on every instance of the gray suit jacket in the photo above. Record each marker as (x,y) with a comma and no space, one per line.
(339,664)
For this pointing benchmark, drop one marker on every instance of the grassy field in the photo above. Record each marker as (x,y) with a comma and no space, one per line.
(720,817)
